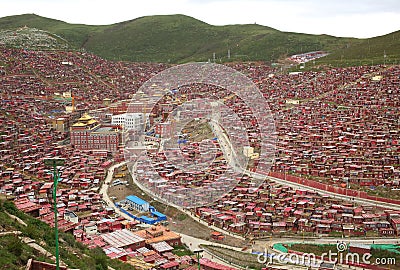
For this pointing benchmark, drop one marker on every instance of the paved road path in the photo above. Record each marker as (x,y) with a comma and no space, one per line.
(107,181)
(104,188)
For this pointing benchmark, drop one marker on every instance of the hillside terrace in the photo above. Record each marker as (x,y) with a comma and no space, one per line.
(89,78)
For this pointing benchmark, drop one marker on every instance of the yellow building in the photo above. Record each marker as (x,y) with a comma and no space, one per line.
(60,124)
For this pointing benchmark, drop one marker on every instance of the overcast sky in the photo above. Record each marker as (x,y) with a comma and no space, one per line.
(350,18)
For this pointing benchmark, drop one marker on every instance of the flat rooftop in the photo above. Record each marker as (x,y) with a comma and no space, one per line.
(121,238)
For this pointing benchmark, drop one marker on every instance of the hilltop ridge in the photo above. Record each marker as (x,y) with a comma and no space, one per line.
(180,38)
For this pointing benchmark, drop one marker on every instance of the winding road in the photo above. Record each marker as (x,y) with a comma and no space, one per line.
(227,147)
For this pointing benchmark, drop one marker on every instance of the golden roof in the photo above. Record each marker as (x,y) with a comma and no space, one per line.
(85,117)
(92,121)
(79,124)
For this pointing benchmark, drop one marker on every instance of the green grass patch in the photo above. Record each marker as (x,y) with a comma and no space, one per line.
(181,217)
(182,251)
(13,253)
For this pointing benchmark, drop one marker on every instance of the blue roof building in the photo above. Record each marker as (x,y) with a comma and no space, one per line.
(142,206)
(137,203)
(159,216)
(147,220)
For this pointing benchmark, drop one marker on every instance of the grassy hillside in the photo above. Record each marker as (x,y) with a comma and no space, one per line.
(76,34)
(14,253)
(368,51)
(179,38)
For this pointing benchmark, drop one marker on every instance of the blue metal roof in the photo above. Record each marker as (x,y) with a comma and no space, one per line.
(136,200)
(145,218)
(158,214)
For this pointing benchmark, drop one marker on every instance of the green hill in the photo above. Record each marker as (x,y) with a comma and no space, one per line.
(179,38)
(75,34)
(32,38)
(368,51)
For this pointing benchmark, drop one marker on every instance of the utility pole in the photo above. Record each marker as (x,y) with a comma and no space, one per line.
(384,57)
(54,162)
(198,252)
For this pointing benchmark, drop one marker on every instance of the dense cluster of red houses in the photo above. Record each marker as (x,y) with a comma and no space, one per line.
(89,78)
(29,134)
(340,125)
(328,126)
(350,135)
(271,208)
(277,209)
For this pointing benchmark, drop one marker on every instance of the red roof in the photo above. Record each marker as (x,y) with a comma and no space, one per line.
(169,265)
(396,221)
(213,265)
